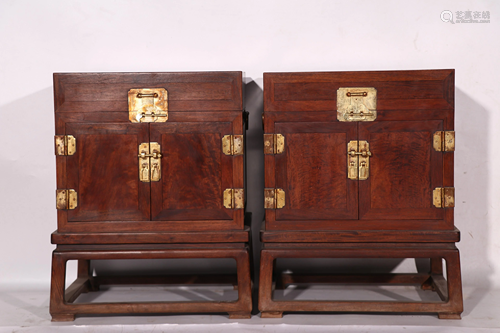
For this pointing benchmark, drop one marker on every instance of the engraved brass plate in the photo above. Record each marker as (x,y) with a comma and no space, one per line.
(65,145)
(274,143)
(233,198)
(149,162)
(232,144)
(444,197)
(444,141)
(358,160)
(148,105)
(155,161)
(66,199)
(357,104)
(144,162)
(274,198)
(352,160)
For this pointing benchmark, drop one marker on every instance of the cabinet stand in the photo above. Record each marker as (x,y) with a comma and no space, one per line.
(62,307)
(449,290)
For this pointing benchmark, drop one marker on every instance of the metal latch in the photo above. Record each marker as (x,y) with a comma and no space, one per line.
(232,144)
(444,197)
(444,141)
(274,143)
(357,104)
(148,105)
(65,145)
(233,198)
(66,199)
(149,162)
(274,198)
(358,160)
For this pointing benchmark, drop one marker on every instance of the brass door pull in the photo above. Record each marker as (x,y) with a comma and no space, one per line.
(153,155)
(141,95)
(361,93)
(363,153)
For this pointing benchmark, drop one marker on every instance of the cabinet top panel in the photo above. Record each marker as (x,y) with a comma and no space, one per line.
(187,91)
(396,90)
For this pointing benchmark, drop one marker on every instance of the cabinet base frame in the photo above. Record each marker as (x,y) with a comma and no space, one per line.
(62,307)
(450,290)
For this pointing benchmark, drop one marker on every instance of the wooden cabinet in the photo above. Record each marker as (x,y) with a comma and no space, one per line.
(142,165)
(363,165)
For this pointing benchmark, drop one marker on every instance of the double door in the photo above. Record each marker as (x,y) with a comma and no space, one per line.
(376,174)
(186,182)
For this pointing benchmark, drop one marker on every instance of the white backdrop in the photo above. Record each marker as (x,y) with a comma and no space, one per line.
(38,38)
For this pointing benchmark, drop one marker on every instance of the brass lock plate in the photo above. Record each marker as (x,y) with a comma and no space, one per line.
(358,160)
(148,105)
(149,162)
(357,104)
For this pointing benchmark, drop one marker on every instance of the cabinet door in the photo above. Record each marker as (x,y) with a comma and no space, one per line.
(312,171)
(105,173)
(194,174)
(404,170)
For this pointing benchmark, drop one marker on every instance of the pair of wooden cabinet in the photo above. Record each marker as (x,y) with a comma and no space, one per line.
(357,165)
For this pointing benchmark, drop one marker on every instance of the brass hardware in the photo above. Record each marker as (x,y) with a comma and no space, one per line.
(274,143)
(148,105)
(444,197)
(66,199)
(358,160)
(352,160)
(149,162)
(233,198)
(349,94)
(155,161)
(357,104)
(140,95)
(274,198)
(232,144)
(444,141)
(65,145)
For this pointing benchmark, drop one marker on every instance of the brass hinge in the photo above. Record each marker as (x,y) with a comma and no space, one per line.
(148,105)
(234,198)
(274,143)
(149,162)
(274,198)
(444,197)
(357,104)
(232,144)
(66,199)
(65,145)
(444,141)
(358,160)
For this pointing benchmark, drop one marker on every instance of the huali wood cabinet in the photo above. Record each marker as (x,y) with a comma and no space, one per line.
(149,166)
(360,165)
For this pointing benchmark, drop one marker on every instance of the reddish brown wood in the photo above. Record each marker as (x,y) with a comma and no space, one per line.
(62,309)
(389,215)
(452,304)
(151,237)
(426,236)
(120,217)
(190,91)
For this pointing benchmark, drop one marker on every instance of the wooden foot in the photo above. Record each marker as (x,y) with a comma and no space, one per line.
(63,317)
(271,314)
(449,316)
(239,315)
